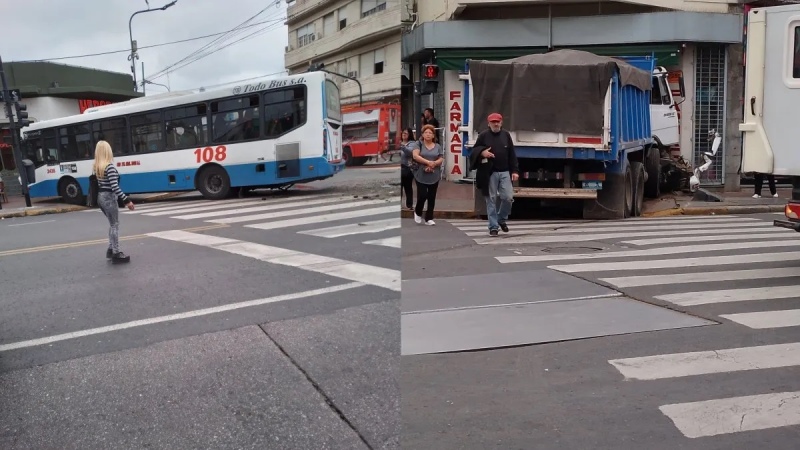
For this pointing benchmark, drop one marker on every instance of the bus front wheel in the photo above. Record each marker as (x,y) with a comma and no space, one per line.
(213,182)
(70,191)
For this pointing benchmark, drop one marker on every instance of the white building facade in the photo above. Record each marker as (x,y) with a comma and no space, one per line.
(701,40)
(357,38)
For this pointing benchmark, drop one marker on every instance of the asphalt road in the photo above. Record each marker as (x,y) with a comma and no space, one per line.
(671,333)
(215,335)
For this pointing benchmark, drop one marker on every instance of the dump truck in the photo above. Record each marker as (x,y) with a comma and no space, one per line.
(585,127)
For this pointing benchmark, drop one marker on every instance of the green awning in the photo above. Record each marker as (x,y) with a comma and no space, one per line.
(666,55)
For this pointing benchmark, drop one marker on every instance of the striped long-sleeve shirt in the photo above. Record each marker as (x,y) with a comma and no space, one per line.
(110,183)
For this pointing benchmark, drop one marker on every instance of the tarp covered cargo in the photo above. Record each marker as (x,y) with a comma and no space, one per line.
(559,92)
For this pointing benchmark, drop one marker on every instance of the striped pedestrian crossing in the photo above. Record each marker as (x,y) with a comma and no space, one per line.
(741,269)
(374,221)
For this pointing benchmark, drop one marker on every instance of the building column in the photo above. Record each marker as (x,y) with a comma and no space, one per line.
(734,116)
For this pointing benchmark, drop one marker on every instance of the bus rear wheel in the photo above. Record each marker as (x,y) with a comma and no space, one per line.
(213,182)
(71,192)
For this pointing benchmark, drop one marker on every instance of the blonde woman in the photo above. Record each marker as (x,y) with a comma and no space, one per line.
(108,192)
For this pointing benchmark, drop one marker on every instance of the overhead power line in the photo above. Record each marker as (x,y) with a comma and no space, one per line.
(198,54)
(111,52)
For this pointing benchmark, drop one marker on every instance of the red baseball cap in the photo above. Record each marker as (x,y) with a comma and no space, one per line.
(495,117)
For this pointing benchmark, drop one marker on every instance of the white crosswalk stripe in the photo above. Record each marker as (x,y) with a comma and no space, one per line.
(718,262)
(374,222)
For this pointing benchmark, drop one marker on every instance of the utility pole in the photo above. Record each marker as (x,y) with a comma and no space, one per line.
(21,116)
(144,91)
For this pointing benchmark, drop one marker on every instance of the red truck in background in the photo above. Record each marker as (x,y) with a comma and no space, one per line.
(370,131)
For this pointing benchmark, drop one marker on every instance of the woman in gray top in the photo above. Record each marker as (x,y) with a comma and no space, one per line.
(429,158)
(407,144)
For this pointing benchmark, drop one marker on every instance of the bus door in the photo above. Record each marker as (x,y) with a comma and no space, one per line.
(332,133)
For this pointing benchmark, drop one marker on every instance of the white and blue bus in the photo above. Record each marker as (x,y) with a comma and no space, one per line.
(269,134)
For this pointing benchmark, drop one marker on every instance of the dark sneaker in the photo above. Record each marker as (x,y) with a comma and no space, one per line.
(504,227)
(109,253)
(120,258)
(493,233)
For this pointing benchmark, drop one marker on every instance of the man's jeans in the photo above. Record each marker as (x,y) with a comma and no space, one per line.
(500,188)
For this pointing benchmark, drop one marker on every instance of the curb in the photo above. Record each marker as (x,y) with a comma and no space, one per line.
(713,210)
(41,212)
(688,211)
(405,214)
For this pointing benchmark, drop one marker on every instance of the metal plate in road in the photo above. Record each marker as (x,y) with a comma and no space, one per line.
(519,308)
(503,326)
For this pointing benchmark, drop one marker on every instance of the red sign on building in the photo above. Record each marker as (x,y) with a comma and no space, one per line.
(83,105)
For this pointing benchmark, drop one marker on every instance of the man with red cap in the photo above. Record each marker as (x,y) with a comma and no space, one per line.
(496,162)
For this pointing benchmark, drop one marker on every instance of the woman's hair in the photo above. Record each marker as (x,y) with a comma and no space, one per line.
(102,158)
(428,127)
(410,134)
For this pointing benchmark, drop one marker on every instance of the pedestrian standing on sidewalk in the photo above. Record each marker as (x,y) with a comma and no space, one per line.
(429,157)
(496,164)
(108,191)
(759,181)
(407,145)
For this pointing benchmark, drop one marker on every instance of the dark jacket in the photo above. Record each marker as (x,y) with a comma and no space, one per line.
(484,169)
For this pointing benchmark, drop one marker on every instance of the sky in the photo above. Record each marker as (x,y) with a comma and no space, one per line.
(48,29)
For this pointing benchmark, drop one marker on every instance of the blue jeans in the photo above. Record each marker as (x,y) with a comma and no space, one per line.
(499,186)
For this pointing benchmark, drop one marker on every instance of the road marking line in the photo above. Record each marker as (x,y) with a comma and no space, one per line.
(141,207)
(323,218)
(29,223)
(783,243)
(678,263)
(362,273)
(266,205)
(43,248)
(735,414)
(298,212)
(375,226)
(622,221)
(677,365)
(766,319)
(178,209)
(179,316)
(702,277)
(393,242)
(606,227)
(586,235)
(763,234)
(731,295)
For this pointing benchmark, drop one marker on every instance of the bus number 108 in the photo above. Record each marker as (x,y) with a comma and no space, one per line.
(209,154)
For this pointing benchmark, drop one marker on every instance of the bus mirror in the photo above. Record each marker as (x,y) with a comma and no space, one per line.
(681,86)
(30,170)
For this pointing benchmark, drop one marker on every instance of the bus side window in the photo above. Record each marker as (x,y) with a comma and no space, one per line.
(796,53)
(284,110)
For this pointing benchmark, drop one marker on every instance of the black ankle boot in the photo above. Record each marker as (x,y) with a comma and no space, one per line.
(120,258)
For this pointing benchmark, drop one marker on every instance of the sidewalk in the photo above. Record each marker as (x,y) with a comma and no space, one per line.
(456,201)
(15,207)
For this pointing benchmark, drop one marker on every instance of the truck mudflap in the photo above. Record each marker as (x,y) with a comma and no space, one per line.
(572,193)
(790,224)
(792,213)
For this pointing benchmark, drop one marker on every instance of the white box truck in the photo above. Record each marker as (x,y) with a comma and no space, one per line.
(771,133)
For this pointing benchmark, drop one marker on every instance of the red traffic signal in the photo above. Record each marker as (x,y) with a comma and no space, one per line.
(430,71)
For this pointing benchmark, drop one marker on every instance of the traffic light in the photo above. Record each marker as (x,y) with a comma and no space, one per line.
(22,114)
(430,79)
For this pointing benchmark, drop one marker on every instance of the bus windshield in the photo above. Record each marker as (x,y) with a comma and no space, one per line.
(334,107)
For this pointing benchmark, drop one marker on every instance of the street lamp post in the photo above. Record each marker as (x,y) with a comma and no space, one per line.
(134,56)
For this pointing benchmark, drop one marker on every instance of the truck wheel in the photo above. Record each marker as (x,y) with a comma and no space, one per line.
(213,182)
(652,187)
(614,200)
(629,191)
(638,188)
(347,154)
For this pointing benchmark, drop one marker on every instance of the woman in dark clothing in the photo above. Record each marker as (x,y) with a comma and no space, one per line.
(429,157)
(407,144)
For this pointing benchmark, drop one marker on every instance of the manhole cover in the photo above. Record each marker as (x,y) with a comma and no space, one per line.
(571,249)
